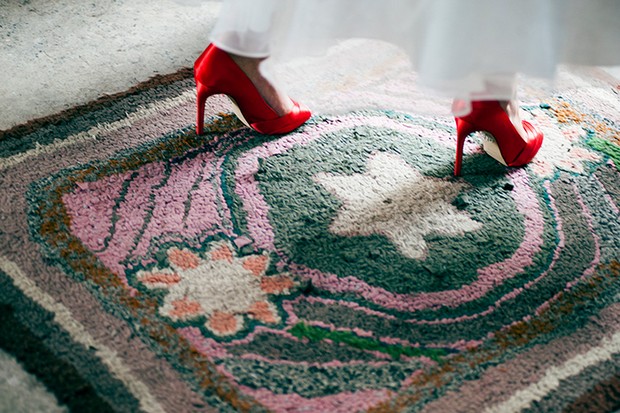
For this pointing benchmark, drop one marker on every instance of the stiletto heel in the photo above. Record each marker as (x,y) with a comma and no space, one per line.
(509,148)
(201,97)
(216,73)
(463,129)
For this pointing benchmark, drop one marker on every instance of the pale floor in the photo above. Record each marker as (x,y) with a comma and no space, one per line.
(56,54)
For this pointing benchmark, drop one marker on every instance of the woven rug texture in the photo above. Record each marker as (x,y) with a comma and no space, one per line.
(337,268)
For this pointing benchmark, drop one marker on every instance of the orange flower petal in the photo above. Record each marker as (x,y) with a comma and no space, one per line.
(222,253)
(276,285)
(262,311)
(256,264)
(185,308)
(223,323)
(183,259)
(160,278)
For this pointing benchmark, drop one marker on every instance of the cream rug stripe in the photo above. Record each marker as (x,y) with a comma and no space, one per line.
(92,133)
(63,316)
(551,380)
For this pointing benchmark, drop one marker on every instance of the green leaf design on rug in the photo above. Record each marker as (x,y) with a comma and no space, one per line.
(301,330)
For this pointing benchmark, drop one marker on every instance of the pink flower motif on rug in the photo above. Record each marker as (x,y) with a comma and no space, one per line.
(218,285)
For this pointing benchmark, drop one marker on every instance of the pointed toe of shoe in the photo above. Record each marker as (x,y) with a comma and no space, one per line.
(532,145)
(284,124)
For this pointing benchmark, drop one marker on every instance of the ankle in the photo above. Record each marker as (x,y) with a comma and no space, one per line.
(512,109)
(277,100)
(249,65)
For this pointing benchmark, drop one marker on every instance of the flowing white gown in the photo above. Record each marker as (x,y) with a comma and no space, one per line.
(467,49)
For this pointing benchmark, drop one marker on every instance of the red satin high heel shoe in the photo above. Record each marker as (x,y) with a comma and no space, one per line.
(216,73)
(489,116)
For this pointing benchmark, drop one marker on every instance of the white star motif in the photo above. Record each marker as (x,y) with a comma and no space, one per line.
(395,200)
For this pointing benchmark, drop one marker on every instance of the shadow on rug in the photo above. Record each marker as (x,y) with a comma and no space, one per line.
(338,268)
